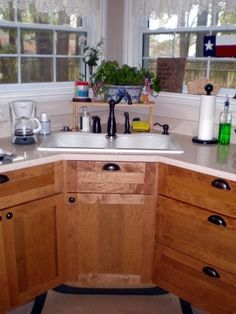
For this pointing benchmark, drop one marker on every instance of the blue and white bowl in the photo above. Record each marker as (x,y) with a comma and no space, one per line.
(115,91)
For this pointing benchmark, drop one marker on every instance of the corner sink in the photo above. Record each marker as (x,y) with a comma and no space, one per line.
(137,143)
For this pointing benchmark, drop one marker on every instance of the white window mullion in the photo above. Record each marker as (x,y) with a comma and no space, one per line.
(54,55)
(19,54)
(174,44)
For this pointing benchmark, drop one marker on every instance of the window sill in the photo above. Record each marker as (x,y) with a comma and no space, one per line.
(37,92)
(189,99)
(51,93)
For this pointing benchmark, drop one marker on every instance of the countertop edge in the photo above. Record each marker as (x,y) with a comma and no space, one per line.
(209,159)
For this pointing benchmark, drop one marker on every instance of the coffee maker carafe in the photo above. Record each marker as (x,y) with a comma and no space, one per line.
(24,124)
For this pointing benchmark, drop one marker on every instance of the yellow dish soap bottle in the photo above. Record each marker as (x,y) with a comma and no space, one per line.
(225,125)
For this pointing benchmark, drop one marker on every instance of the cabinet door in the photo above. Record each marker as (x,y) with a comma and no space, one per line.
(110,238)
(33,236)
(4,291)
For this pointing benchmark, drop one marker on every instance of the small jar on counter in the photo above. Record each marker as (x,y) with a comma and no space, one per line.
(45,124)
(82,90)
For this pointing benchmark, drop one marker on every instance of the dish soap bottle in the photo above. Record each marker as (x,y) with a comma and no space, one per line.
(225,125)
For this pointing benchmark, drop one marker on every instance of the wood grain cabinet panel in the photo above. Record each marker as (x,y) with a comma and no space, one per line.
(31,183)
(110,238)
(197,189)
(128,178)
(33,236)
(184,276)
(194,231)
(196,238)
(4,291)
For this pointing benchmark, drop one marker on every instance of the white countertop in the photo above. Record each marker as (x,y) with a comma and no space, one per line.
(217,160)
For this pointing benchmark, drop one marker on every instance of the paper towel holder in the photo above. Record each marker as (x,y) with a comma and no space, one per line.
(198,141)
(208,88)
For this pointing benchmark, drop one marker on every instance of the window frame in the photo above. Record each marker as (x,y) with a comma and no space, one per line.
(53,91)
(179,30)
(132,54)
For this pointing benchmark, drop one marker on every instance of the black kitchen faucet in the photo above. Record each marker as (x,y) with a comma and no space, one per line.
(111,123)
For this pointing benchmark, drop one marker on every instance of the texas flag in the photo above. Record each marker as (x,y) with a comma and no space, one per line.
(220,46)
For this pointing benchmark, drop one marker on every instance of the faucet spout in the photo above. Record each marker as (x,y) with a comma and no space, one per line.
(111,123)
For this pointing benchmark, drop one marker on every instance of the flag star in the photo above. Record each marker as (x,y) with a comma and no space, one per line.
(209,45)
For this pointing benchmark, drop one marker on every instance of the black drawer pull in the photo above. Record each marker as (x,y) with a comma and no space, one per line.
(0,218)
(71,199)
(3,178)
(217,220)
(111,167)
(9,215)
(211,272)
(221,184)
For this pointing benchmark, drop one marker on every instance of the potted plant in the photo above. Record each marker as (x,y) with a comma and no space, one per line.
(116,79)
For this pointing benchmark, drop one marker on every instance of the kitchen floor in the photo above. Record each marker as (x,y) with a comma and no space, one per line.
(103,304)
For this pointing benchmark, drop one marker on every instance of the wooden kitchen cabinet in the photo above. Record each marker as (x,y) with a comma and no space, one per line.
(4,295)
(31,233)
(110,235)
(198,189)
(111,177)
(27,184)
(182,275)
(196,238)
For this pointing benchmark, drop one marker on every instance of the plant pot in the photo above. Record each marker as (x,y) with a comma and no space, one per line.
(114,91)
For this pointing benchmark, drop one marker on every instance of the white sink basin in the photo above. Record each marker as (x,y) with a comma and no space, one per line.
(148,141)
(73,140)
(124,143)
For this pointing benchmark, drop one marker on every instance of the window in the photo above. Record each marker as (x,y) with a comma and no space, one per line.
(182,35)
(39,47)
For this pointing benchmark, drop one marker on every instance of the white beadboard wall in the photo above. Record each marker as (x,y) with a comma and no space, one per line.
(180,112)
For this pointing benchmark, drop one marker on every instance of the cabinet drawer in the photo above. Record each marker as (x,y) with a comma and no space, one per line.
(30,183)
(197,232)
(184,276)
(111,177)
(198,189)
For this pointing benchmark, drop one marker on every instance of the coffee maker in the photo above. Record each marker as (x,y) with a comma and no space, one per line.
(24,124)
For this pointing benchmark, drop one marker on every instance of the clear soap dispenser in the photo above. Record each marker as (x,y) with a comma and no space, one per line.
(225,124)
(45,124)
(85,120)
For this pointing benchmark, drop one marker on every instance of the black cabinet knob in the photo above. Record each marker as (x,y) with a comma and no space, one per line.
(71,199)
(0,218)
(211,272)
(111,167)
(3,178)
(221,184)
(9,215)
(217,220)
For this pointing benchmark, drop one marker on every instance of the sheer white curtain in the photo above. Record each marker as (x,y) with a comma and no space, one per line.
(77,7)
(158,7)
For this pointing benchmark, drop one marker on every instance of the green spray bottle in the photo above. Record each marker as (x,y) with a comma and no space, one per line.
(225,124)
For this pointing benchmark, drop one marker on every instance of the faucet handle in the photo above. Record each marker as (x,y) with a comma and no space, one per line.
(127,123)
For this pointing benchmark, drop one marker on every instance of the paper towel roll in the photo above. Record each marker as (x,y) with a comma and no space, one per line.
(206,117)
